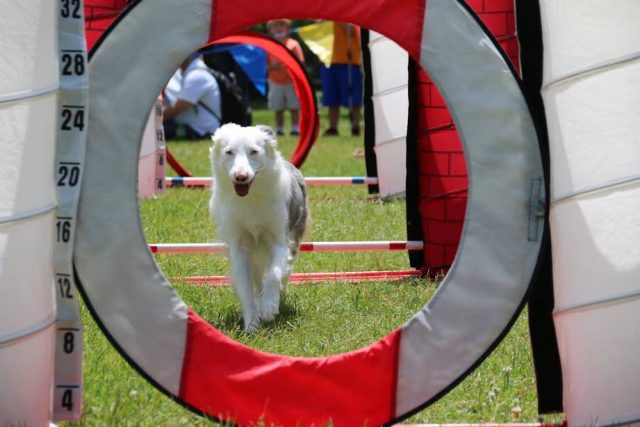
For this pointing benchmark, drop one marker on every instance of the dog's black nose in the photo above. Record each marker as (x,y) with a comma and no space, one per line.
(241,177)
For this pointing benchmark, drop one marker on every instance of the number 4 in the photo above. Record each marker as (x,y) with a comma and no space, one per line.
(67,399)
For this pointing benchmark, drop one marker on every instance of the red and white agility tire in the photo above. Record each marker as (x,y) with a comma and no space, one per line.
(401,373)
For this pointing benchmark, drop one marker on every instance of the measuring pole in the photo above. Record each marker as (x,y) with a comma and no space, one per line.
(70,149)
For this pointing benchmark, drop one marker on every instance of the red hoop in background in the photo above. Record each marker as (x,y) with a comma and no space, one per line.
(100,14)
(309,122)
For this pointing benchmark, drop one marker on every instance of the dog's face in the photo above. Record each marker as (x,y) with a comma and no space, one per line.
(242,153)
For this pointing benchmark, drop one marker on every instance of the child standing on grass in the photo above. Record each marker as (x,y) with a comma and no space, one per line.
(282,95)
(342,81)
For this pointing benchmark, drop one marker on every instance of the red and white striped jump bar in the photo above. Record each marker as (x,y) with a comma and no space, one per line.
(303,278)
(339,180)
(195,248)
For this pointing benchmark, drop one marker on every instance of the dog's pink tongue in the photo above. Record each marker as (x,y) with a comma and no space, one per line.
(241,189)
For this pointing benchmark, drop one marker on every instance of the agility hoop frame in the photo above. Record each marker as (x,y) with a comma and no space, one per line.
(198,366)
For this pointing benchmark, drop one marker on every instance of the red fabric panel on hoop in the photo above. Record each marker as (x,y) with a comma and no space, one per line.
(443,171)
(98,15)
(399,20)
(309,121)
(231,381)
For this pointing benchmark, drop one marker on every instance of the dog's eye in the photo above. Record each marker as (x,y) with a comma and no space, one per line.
(253,152)
(229,152)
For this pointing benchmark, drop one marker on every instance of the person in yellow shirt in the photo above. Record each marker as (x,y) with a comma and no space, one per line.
(282,95)
(342,81)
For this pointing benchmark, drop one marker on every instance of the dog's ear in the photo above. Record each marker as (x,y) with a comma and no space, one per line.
(214,149)
(271,138)
(267,130)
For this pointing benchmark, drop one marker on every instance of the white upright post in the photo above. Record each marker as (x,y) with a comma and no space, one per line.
(72,120)
(147,163)
(161,148)
(151,166)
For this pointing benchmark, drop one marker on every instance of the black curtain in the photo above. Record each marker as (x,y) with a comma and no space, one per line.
(544,343)
(414,220)
(369,121)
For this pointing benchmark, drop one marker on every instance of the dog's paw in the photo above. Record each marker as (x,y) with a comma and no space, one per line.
(269,310)
(251,324)
(270,300)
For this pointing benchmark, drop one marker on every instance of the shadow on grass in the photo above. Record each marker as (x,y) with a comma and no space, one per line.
(230,320)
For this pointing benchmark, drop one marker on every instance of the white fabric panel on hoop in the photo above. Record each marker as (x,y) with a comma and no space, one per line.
(501,237)
(28,120)
(111,255)
(592,100)
(389,75)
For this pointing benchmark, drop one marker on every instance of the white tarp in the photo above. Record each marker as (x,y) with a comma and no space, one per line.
(592,99)
(389,76)
(28,112)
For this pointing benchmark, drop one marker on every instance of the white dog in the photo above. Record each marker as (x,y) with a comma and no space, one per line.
(259,203)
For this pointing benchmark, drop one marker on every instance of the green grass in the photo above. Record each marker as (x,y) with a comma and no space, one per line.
(317,319)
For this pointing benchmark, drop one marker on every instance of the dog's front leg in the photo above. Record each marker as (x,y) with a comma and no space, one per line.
(278,269)
(241,273)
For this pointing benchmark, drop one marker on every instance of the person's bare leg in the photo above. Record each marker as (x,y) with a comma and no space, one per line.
(280,122)
(355,121)
(295,118)
(334,117)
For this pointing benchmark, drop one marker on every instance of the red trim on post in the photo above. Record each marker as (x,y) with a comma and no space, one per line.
(234,382)
(306,247)
(397,246)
